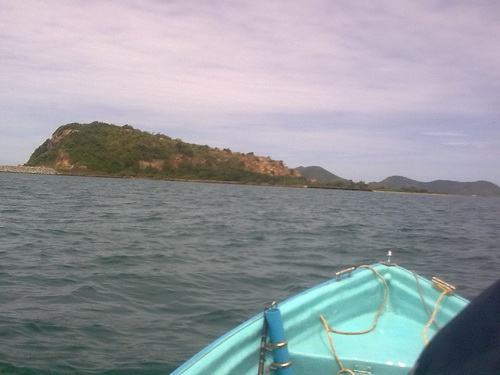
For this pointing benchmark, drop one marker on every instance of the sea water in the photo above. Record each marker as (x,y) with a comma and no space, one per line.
(123,276)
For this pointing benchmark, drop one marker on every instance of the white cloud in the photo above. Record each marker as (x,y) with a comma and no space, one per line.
(446,134)
(260,57)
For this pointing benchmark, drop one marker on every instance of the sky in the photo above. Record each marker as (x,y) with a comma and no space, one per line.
(364,89)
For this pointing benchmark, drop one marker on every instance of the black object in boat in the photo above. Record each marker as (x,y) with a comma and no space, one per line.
(468,344)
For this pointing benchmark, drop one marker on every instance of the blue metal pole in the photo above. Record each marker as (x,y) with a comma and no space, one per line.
(278,338)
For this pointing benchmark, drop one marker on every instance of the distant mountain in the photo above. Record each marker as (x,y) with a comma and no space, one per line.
(397,183)
(105,149)
(322,177)
(480,188)
(318,174)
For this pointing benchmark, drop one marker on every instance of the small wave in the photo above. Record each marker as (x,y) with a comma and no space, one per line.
(9,369)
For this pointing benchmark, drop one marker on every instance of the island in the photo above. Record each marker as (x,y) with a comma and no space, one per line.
(101,149)
(106,150)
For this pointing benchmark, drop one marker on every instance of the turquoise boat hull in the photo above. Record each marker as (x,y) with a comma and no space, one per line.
(350,303)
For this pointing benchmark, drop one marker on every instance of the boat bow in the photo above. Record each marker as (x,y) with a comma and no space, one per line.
(367,320)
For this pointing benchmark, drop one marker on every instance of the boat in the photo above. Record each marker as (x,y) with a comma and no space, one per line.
(372,319)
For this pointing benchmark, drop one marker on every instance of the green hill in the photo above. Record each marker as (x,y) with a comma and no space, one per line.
(480,188)
(318,173)
(105,149)
(321,178)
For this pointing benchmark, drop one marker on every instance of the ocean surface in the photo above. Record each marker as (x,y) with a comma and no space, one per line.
(123,276)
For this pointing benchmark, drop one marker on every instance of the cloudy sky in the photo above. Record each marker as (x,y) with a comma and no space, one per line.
(365,89)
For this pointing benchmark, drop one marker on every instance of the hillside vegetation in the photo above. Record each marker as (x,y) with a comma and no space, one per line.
(319,174)
(320,177)
(104,149)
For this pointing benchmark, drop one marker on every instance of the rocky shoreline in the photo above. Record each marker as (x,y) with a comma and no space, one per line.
(24,169)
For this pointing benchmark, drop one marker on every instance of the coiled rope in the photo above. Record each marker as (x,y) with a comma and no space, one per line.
(422,298)
(445,289)
(329,329)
